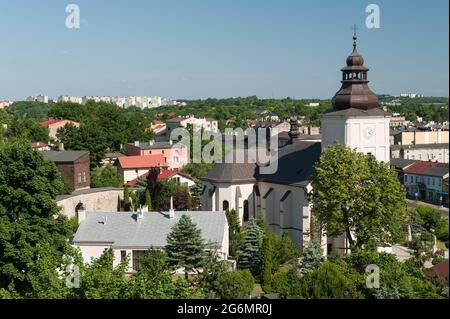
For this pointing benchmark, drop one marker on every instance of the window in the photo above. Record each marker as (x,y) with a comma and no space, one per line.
(176,159)
(428,180)
(123,255)
(417,179)
(84,177)
(79,177)
(432,181)
(406,178)
(246,211)
(439,182)
(411,179)
(225,205)
(137,257)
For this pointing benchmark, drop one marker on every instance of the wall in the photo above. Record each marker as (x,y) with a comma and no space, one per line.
(105,200)
(423,137)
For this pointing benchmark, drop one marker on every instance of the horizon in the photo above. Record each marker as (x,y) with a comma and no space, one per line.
(219,50)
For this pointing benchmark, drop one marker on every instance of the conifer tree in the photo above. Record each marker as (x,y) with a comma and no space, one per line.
(185,246)
(126,199)
(148,200)
(266,263)
(250,247)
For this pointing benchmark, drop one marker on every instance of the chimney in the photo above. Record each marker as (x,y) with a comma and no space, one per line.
(81,212)
(136,143)
(61,147)
(171,210)
(152,142)
(170,142)
(140,214)
(294,132)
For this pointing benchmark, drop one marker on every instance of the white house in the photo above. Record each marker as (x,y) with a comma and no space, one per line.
(132,234)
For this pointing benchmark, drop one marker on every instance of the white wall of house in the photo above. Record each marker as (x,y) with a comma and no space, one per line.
(132,174)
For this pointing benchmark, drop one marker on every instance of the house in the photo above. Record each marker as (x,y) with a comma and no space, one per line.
(73,166)
(425,181)
(181,178)
(207,124)
(132,234)
(415,136)
(111,158)
(175,154)
(54,125)
(266,115)
(40,146)
(131,167)
(426,152)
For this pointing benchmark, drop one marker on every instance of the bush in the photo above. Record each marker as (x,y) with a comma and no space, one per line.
(437,259)
(236,284)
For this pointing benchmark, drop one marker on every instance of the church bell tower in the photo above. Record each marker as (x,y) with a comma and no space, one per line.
(357,120)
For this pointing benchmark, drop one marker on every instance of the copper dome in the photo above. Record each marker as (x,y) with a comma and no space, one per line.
(355,91)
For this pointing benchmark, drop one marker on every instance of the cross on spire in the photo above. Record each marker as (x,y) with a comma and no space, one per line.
(354,36)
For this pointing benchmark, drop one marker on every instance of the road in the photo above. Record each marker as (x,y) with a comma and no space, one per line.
(443,210)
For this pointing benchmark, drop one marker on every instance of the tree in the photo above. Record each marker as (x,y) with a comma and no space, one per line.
(105,177)
(185,246)
(249,250)
(29,217)
(286,251)
(148,200)
(266,264)
(234,230)
(235,284)
(100,280)
(312,257)
(355,195)
(208,278)
(126,199)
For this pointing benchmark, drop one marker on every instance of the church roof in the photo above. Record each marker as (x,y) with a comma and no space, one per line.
(295,165)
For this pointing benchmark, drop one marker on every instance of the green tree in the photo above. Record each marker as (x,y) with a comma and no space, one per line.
(29,217)
(355,195)
(234,230)
(312,257)
(249,250)
(148,200)
(101,280)
(126,199)
(235,284)
(105,177)
(208,278)
(266,264)
(185,246)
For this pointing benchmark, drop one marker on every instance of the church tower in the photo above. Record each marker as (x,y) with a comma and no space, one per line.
(357,120)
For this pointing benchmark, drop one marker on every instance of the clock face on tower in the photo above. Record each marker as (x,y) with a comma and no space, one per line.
(369,132)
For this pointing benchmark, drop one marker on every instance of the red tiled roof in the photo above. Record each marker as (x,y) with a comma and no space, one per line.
(420,167)
(164,174)
(38,144)
(175,120)
(157,122)
(439,270)
(171,114)
(147,161)
(52,121)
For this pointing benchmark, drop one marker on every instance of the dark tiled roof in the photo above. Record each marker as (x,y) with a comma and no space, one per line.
(295,165)
(63,156)
(156,145)
(401,163)
(357,112)
(420,146)
(428,168)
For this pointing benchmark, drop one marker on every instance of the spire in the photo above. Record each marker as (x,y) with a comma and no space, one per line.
(355,92)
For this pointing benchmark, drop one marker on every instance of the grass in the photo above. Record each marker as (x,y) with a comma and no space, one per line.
(441,245)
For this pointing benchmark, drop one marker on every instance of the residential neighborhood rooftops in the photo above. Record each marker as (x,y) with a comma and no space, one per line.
(156,145)
(428,168)
(176,120)
(124,229)
(163,174)
(39,145)
(147,161)
(63,156)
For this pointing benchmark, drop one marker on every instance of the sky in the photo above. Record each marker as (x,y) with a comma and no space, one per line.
(189,49)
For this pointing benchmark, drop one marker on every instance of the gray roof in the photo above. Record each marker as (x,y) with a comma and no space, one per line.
(357,112)
(439,171)
(420,146)
(401,162)
(63,156)
(123,230)
(295,165)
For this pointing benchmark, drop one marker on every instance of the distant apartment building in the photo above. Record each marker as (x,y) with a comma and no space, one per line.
(132,167)
(54,125)
(38,98)
(72,99)
(397,121)
(416,137)
(73,166)
(175,155)
(5,104)
(438,152)
(411,95)
(426,181)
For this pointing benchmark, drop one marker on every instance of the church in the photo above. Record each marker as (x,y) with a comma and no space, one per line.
(356,121)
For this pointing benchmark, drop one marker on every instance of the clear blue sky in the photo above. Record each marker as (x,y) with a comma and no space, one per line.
(211,48)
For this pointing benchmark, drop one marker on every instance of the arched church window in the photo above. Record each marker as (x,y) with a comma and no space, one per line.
(246,211)
(225,205)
